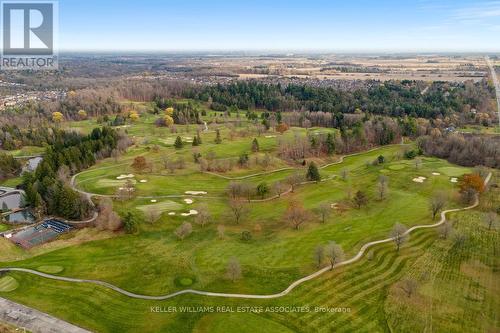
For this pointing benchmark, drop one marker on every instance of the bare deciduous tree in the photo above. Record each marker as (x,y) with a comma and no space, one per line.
(344,174)
(324,211)
(445,229)
(63,174)
(295,214)
(382,186)
(295,179)
(203,217)
(437,203)
(235,190)
(153,215)
(459,238)
(491,219)
(409,286)
(319,254)
(399,235)
(233,269)
(279,188)
(417,162)
(184,230)
(334,253)
(221,230)
(107,218)
(238,208)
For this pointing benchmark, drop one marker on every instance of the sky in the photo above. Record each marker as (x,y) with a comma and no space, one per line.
(257,25)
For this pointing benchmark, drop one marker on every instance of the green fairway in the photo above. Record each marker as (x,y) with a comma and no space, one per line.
(451,171)
(163,206)
(154,261)
(50,269)
(450,278)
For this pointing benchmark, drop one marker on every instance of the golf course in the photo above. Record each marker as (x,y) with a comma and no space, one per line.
(358,198)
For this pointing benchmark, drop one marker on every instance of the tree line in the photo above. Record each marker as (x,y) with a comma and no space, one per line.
(48,189)
(466,150)
(390,98)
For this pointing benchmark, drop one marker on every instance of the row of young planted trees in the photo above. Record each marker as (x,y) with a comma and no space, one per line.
(48,189)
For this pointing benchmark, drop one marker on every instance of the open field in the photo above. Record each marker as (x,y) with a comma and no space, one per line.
(370,290)
(324,67)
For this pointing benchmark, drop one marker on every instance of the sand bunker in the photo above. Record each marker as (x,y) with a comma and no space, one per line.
(171,213)
(436,174)
(419,179)
(195,192)
(125,176)
(154,200)
(188,201)
(143,181)
(454,180)
(191,212)
(270,136)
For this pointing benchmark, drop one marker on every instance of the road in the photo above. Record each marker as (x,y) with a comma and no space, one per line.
(292,286)
(496,84)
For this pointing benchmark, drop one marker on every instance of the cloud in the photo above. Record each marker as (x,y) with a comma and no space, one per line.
(481,10)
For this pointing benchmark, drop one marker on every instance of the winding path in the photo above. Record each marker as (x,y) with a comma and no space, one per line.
(292,286)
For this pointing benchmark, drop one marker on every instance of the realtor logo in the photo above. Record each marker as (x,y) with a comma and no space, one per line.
(28,38)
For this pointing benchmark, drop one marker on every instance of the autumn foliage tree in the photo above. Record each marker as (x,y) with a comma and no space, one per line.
(57,117)
(169,121)
(139,164)
(470,185)
(134,116)
(282,128)
(295,214)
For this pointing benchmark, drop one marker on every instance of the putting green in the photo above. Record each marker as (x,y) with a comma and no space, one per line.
(50,269)
(113,182)
(8,283)
(161,206)
(452,171)
(397,167)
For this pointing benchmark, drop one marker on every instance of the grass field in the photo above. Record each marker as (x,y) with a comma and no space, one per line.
(457,288)
(457,281)
(25,151)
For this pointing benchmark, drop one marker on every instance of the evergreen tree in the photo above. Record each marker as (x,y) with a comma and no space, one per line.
(262,189)
(330,144)
(178,143)
(130,223)
(195,141)
(313,173)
